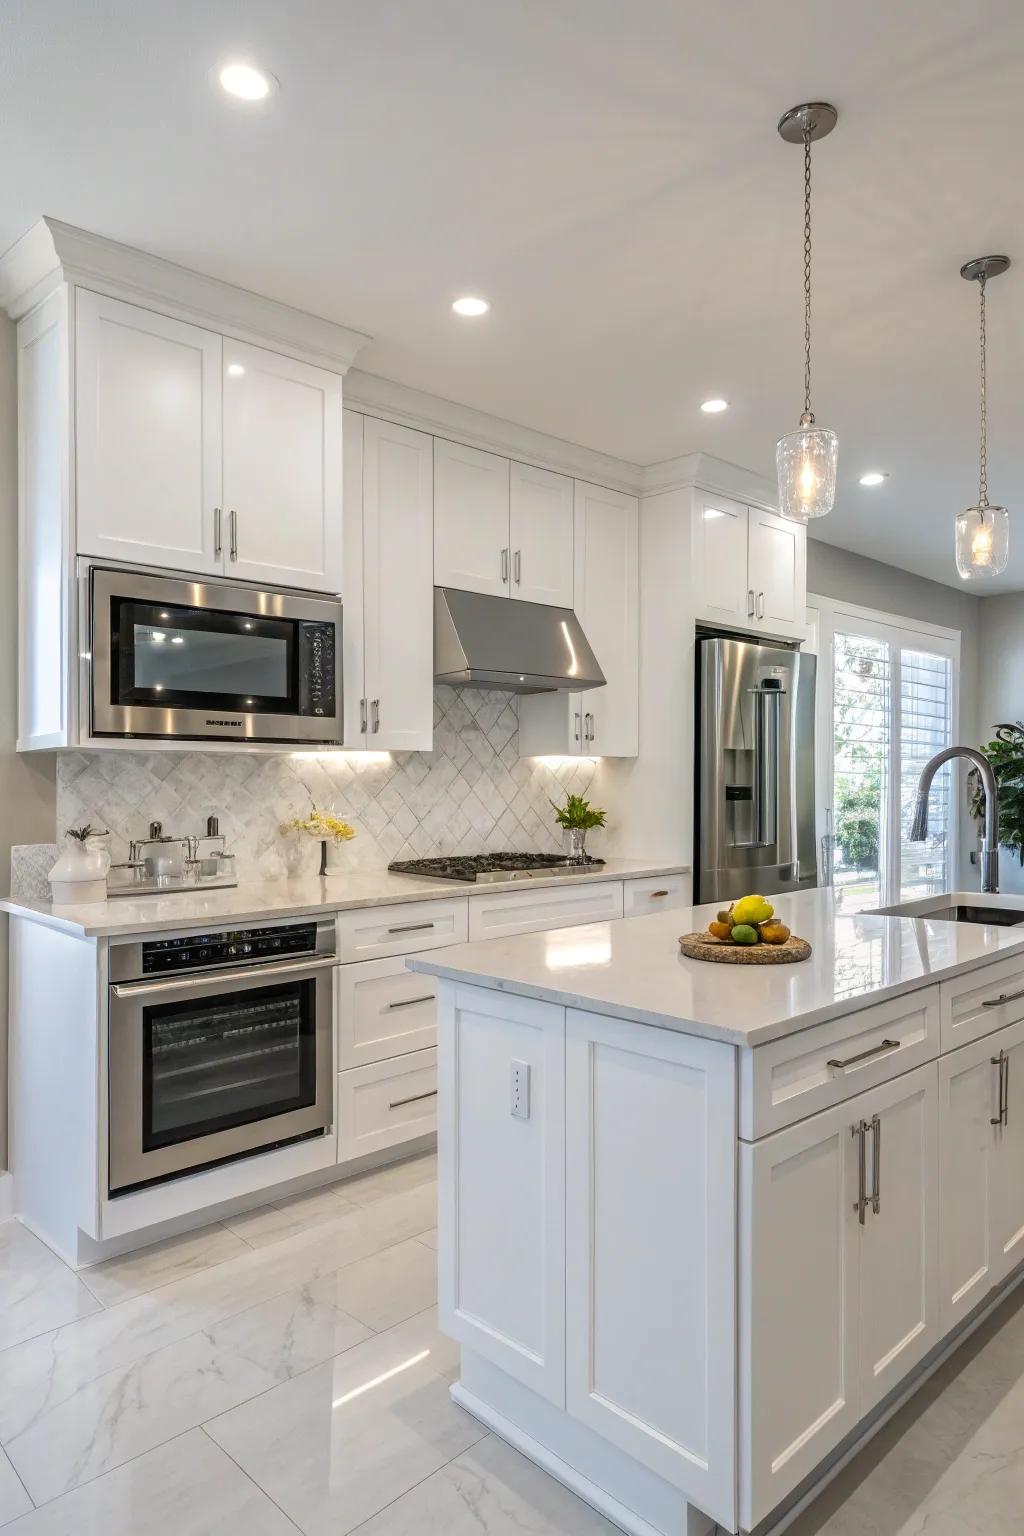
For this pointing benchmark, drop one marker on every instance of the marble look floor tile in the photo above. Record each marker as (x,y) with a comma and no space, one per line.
(389,1287)
(283,1218)
(413,1173)
(429,1238)
(186,1488)
(293,1332)
(158,1264)
(128,1411)
(37,1289)
(490,1490)
(14,1500)
(39,1375)
(334,1446)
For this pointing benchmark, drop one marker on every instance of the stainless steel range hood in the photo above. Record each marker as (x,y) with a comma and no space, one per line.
(497,642)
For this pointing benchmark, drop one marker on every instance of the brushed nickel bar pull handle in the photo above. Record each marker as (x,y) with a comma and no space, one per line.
(577,717)
(1002,1115)
(408,1002)
(750,602)
(860,1205)
(655,894)
(218,538)
(362,717)
(375,711)
(1004,997)
(233,527)
(1006,1088)
(414,1098)
(504,567)
(410,927)
(760,605)
(518,567)
(876,1159)
(875,1050)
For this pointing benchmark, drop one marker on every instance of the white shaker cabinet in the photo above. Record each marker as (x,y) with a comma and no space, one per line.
(601,722)
(749,567)
(388,592)
(147,437)
(541,536)
(471,533)
(282,470)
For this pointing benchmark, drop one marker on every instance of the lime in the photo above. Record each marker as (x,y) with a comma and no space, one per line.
(743,933)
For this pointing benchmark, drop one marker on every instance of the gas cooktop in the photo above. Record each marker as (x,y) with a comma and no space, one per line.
(487,868)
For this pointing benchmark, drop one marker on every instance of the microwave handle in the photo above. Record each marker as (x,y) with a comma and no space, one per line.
(220,978)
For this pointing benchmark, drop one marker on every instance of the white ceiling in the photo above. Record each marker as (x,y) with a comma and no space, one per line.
(609,175)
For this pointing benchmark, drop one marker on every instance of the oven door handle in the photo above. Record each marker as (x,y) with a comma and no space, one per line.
(219,978)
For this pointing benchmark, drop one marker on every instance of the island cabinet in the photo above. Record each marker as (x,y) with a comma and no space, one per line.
(687,1273)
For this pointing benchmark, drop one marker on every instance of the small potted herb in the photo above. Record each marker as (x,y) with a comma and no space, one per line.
(576,817)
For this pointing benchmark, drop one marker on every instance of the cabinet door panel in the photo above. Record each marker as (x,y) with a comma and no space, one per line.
(471,498)
(606,600)
(282,469)
(968,1103)
(720,560)
(799,1304)
(398,591)
(650,1168)
(501,1214)
(777,570)
(541,535)
(899,1248)
(1008,1169)
(148,436)
(353,645)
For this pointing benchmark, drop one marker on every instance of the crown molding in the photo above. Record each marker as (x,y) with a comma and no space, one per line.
(711,474)
(51,253)
(464,424)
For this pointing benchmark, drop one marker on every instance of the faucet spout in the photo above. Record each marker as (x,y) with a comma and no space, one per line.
(990,839)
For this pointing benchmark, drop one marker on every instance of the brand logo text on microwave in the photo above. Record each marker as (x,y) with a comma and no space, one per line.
(238,724)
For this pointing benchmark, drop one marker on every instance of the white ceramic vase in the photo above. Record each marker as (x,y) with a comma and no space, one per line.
(80,874)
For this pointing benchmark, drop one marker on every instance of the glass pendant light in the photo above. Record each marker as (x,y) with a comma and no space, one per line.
(983,531)
(806,459)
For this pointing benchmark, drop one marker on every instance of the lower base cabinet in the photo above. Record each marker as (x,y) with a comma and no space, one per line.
(839,1295)
(386,1103)
(981,1170)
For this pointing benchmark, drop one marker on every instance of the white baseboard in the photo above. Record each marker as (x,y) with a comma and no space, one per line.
(6,1196)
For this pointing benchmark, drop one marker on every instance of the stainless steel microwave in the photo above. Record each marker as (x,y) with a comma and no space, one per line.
(194,660)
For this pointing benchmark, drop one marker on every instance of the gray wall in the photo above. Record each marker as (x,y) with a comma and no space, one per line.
(1001,688)
(850,578)
(27,793)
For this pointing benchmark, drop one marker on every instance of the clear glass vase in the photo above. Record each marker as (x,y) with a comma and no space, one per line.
(577,853)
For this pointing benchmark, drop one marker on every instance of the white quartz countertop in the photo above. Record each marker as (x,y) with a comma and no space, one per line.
(265,901)
(633,968)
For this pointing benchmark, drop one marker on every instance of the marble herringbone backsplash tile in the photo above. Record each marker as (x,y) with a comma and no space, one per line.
(473,793)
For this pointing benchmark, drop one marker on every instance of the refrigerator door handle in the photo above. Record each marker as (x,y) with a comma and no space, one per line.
(765,778)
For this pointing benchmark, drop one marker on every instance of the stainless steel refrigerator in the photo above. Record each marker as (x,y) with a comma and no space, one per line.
(754,797)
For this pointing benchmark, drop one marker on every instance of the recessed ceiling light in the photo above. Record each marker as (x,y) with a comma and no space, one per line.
(471,307)
(246,82)
(712,407)
(873,477)
(236,370)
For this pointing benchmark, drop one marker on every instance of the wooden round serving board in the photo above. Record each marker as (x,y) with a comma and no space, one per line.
(703,946)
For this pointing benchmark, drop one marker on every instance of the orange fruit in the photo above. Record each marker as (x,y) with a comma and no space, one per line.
(720,930)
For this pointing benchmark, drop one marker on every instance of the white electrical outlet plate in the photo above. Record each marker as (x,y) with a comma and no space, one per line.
(521,1090)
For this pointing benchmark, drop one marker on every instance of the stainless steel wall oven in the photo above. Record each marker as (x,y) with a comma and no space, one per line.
(219,1046)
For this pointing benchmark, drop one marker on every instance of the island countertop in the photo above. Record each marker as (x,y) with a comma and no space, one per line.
(632,968)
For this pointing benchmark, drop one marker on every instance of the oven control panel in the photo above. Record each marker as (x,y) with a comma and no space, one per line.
(237,946)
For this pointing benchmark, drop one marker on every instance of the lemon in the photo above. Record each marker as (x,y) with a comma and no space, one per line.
(752,909)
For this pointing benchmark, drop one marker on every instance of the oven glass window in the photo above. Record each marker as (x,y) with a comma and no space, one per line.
(213,1063)
(193,658)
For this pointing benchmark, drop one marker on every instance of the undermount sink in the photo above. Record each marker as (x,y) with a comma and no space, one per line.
(961,907)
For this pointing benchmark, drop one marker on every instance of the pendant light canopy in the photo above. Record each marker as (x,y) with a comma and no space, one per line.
(983,531)
(806,459)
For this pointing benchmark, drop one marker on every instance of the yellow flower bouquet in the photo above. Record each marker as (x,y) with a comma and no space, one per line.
(322,825)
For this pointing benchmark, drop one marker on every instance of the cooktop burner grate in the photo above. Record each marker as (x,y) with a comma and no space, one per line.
(493,867)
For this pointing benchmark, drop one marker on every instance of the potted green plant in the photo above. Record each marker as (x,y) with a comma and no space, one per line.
(576,817)
(1006,754)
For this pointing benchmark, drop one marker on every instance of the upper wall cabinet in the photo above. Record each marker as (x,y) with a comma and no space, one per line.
(502,529)
(200,453)
(148,436)
(749,567)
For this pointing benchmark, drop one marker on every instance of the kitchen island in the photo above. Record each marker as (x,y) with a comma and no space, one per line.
(703,1226)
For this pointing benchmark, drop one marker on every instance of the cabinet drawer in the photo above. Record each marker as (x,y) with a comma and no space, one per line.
(384,1010)
(982,1002)
(500,914)
(373,932)
(786,1080)
(656,894)
(386,1103)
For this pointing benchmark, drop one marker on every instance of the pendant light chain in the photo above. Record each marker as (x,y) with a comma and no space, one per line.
(983,454)
(808,413)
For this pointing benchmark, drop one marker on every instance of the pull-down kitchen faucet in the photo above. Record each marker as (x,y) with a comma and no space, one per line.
(990,839)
